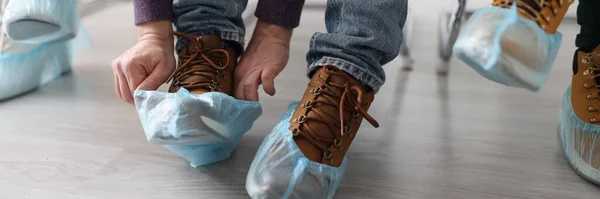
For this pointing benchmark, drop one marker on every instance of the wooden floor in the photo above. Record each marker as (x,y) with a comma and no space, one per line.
(446,138)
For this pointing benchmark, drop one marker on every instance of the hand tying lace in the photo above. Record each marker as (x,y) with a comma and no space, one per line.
(198,70)
(328,95)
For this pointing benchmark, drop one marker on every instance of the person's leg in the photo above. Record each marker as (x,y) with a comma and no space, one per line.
(210,39)
(214,25)
(580,117)
(588,18)
(304,156)
(357,46)
(361,37)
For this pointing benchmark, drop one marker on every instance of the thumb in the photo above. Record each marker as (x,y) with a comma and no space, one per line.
(268,81)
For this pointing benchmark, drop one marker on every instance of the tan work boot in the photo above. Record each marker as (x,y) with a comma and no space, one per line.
(329,116)
(548,14)
(304,155)
(204,66)
(580,119)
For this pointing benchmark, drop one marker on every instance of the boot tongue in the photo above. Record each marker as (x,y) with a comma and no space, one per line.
(341,79)
(211,42)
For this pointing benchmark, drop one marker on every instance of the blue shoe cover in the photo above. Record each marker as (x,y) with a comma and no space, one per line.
(578,156)
(202,129)
(24,67)
(280,170)
(506,48)
(40,21)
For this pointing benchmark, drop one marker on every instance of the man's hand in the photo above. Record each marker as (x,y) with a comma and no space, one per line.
(266,56)
(147,64)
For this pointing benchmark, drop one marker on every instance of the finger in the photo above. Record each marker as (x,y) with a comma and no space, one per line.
(268,82)
(239,90)
(239,80)
(116,76)
(135,75)
(251,92)
(156,78)
(117,88)
(251,86)
(124,88)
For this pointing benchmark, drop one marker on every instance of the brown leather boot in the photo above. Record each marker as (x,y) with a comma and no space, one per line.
(546,13)
(329,115)
(204,66)
(585,101)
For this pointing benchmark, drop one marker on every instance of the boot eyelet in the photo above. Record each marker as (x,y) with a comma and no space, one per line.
(338,143)
(589,96)
(295,132)
(586,85)
(588,71)
(301,119)
(591,108)
(548,19)
(316,91)
(308,104)
(215,82)
(220,73)
(347,130)
(355,116)
(328,156)
(593,119)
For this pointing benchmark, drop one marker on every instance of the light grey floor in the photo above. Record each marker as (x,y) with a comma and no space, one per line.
(455,137)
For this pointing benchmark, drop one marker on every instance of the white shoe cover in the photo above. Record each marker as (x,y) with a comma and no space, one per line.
(508,49)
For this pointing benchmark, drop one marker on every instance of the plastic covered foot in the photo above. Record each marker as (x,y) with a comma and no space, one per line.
(202,129)
(280,170)
(24,67)
(40,21)
(506,48)
(580,141)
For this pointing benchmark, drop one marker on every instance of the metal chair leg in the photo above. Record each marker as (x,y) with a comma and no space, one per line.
(449,28)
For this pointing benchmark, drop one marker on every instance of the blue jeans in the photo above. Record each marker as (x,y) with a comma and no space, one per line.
(361,35)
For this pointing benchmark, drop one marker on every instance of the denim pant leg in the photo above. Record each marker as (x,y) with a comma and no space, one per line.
(211,17)
(362,36)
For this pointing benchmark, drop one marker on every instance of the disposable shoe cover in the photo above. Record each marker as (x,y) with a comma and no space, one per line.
(202,129)
(24,67)
(569,124)
(40,21)
(280,170)
(506,48)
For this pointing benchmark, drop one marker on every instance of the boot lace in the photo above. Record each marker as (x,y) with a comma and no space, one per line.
(532,8)
(199,68)
(338,126)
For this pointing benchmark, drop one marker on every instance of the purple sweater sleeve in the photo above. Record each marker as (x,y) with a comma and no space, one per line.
(285,13)
(152,10)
